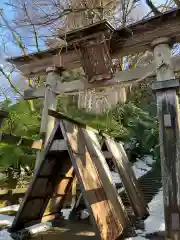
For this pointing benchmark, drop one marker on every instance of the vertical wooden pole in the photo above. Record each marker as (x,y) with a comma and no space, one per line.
(169,132)
(47,122)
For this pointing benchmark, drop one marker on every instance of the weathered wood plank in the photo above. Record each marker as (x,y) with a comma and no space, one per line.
(62,116)
(121,77)
(129,180)
(96,184)
(16,140)
(62,189)
(169,133)
(57,145)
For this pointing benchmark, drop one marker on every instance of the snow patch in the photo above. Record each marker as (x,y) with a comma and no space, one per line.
(4,235)
(66,212)
(41,227)
(6,220)
(141,167)
(155,222)
(13,208)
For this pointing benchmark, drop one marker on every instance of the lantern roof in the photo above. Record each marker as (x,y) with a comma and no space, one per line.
(87,31)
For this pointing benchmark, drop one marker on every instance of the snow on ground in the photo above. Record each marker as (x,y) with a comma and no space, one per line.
(141,167)
(6,220)
(4,235)
(66,212)
(155,222)
(13,208)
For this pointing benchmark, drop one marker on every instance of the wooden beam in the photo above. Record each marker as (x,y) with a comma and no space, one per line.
(36,66)
(57,145)
(121,77)
(8,193)
(132,39)
(138,36)
(62,116)
(16,140)
(31,93)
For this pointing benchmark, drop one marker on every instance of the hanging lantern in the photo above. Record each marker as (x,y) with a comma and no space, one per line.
(96,59)
(91,43)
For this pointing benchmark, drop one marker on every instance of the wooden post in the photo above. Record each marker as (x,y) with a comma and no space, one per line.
(47,122)
(169,131)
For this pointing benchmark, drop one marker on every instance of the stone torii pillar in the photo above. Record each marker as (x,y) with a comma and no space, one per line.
(169,134)
(50,102)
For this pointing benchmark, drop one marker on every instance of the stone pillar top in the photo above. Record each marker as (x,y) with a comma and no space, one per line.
(162,40)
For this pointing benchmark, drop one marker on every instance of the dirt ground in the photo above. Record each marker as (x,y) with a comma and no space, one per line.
(69,231)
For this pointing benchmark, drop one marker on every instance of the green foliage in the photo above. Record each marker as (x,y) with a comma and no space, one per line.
(21,122)
(103,123)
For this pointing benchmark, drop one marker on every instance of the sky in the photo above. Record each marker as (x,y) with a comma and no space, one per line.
(12,51)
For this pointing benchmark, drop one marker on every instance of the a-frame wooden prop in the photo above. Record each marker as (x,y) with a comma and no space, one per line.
(79,153)
(55,174)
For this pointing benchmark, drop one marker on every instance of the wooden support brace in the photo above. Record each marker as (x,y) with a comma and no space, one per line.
(128,177)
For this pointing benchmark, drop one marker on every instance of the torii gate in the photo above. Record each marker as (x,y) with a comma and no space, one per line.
(158,34)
